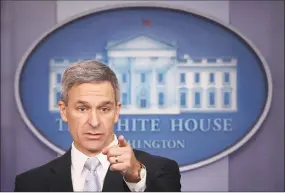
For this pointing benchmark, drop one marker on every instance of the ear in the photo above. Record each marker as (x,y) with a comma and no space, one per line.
(62,108)
(118,108)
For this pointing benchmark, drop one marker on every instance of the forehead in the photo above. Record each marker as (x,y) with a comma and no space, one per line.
(92,92)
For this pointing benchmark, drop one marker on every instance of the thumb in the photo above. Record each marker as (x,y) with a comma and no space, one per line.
(122,141)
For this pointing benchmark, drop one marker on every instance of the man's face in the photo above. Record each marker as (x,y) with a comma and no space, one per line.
(91,113)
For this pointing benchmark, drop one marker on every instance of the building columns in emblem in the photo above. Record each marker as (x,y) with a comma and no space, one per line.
(154,98)
(132,82)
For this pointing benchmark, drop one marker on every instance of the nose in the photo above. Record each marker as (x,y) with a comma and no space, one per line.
(94,119)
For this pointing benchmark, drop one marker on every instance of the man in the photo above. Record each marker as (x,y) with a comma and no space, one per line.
(97,159)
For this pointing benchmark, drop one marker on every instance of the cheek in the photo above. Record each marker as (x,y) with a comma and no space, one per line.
(109,120)
(76,121)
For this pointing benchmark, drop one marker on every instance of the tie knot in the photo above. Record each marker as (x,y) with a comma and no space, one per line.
(92,163)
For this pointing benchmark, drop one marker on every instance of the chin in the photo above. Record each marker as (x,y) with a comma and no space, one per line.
(94,146)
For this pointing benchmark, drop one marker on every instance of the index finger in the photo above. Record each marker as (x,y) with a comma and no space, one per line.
(122,141)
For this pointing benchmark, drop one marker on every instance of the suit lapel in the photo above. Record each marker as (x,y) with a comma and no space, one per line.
(60,178)
(114,182)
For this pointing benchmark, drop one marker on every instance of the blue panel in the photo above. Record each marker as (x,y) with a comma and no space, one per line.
(182,78)
(161,98)
(182,99)
(142,77)
(212,98)
(197,98)
(58,78)
(212,77)
(226,98)
(124,77)
(227,77)
(125,98)
(160,77)
(197,77)
(143,103)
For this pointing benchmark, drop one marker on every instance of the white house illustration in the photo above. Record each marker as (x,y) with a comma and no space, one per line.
(154,80)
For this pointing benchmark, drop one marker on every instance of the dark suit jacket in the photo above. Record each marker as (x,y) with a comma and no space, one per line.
(162,175)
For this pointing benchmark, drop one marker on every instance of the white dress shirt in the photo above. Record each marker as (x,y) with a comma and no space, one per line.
(79,172)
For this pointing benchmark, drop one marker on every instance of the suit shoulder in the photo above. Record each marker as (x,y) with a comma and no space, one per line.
(36,172)
(34,179)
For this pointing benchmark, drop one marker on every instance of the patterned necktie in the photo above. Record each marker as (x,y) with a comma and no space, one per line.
(92,181)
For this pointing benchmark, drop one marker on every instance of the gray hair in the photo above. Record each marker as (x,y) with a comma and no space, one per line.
(89,71)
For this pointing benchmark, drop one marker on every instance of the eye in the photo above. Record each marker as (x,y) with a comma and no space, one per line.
(105,109)
(82,109)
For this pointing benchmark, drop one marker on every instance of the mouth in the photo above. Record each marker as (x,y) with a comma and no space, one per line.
(91,135)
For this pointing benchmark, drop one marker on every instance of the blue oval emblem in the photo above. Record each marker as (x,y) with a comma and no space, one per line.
(193,89)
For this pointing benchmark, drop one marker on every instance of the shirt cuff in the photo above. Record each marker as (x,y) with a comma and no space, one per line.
(139,186)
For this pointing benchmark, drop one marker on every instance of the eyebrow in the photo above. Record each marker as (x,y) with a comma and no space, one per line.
(81,102)
(104,103)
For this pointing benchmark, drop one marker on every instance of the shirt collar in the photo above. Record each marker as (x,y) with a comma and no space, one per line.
(78,158)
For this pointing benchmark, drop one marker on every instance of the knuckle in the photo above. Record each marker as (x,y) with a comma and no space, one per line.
(130,150)
(113,167)
(111,151)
